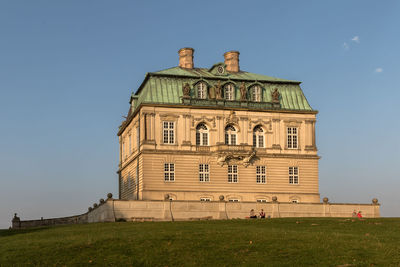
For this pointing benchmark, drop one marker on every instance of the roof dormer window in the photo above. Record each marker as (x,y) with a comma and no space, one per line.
(201,90)
(229,92)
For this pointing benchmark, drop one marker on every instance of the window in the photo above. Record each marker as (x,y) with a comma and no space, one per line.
(130,143)
(230,135)
(169,172)
(292,137)
(138,138)
(233,200)
(262,200)
(168,132)
(232,174)
(201,90)
(201,135)
(294,200)
(256,93)
(260,174)
(293,175)
(205,199)
(123,150)
(229,92)
(258,137)
(204,173)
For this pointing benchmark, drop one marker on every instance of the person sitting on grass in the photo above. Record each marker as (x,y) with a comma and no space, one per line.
(252,214)
(354,214)
(262,214)
(359,214)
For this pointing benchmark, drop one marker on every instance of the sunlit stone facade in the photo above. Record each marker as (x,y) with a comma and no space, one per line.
(219,133)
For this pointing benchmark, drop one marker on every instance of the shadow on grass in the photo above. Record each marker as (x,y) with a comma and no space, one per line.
(11,232)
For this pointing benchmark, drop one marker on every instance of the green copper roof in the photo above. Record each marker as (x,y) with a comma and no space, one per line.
(165,87)
(205,73)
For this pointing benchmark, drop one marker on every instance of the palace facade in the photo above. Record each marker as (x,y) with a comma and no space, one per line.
(219,133)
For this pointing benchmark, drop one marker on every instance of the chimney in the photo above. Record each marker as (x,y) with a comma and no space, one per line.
(186,57)
(232,61)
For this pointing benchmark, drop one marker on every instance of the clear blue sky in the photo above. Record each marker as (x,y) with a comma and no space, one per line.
(67,69)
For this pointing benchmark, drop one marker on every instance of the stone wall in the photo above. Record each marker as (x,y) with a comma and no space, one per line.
(113,210)
(133,210)
(77,219)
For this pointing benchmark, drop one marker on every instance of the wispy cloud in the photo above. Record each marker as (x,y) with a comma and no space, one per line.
(356,39)
(346,46)
(378,70)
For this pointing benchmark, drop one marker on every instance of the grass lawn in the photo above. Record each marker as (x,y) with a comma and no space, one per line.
(271,242)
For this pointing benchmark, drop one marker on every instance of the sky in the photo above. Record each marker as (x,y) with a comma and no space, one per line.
(68,68)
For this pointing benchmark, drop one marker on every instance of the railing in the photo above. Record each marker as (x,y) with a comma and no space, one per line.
(234,148)
(203,148)
(231,103)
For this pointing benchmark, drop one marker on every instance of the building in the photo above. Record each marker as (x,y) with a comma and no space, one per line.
(221,142)
(219,133)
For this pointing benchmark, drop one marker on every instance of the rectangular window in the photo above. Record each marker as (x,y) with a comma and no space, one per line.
(123,151)
(262,200)
(256,93)
(232,174)
(260,174)
(292,137)
(168,132)
(233,200)
(130,143)
(169,172)
(205,199)
(204,173)
(293,175)
(138,137)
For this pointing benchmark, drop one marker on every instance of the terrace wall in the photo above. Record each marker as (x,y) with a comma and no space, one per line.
(151,210)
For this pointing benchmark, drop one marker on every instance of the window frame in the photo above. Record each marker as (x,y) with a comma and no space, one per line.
(258,137)
(233,174)
(230,135)
(229,92)
(168,132)
(292,137)
(261,174)
(204,173)
(256,93)
(293,175)
(201,90)
(202,135)
(168,173)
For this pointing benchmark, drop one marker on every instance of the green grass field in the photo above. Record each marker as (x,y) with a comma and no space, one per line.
(271,242)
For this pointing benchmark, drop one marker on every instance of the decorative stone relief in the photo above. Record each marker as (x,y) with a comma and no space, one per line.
(236,158)
(253,123)
(204,118)
(232,118)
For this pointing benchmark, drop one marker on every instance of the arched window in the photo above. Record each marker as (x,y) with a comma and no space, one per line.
(256,93)
(201,135)
(258,136)
(229,92)
(230,135)
(201,90)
